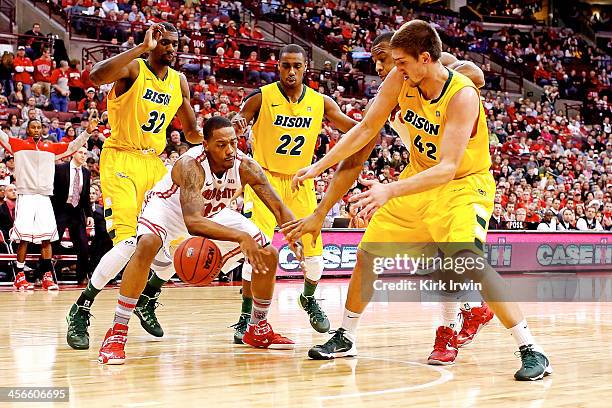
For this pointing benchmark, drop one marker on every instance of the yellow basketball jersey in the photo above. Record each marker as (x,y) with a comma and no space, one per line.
(138,119)
(285,134)
(425,122)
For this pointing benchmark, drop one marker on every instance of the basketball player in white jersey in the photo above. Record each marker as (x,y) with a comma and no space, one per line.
(474,315)
(193,199)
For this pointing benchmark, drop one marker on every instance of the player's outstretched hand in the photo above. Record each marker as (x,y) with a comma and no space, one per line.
(240,124)
(251,251)
(298,249)
(294,230)
(372,199)
(152,35)
(303,175)
(93,124)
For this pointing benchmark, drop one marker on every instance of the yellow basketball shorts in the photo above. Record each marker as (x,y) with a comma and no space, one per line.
(452,218)
(302,203)
(125,177)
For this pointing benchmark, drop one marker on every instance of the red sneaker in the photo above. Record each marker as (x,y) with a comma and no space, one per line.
(262,336)
(48,283)
(445,347)
(473,320)
(21,283)
(112,350)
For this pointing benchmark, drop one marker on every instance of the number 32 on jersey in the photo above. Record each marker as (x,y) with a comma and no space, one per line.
(155,122)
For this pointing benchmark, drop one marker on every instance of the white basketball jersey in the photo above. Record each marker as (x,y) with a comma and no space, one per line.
(217,191)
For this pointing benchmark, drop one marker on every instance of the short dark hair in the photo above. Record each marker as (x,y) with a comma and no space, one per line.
(293,49)
(416,37)
(383,38)
(169,27)
(215,123)
(33,120)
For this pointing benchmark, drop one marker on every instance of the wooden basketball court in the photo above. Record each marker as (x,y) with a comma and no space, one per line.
(196,364)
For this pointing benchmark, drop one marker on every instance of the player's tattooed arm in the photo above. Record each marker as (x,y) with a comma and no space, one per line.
(252,174)
(248,112)
(187,115)
(336,116)
(188,174)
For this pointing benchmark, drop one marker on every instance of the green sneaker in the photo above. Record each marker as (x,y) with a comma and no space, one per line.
(241,327)
(340,345)
(78,322)
(145,310)
(318,319)
(535,365)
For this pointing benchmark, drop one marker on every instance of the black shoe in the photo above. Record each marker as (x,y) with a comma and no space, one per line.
(318,319)
(338,346)
(241,327)
(145,310)
(535,365)
(78,322)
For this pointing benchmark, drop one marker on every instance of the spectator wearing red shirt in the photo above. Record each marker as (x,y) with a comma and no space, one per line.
(74,81)
(269,73)
(60,89)
(85,81)
(23,70)
(90,97)
(228,45)
(164,6)
(253,67)
(355,113)
(235,105)
(541,76)
(232,30)
(245,30)
(42,72)
(221,63)
(256,33)
(212,85)
(511,147)
(235,66)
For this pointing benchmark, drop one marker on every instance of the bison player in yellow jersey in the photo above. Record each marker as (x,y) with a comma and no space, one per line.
(444,196)
(287,117)
(145,97)
(474,315)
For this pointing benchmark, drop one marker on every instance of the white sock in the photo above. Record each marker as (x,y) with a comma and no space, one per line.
(113,262)
(350,321)
(260,310)
(124,309)
(450,312)
(522,335)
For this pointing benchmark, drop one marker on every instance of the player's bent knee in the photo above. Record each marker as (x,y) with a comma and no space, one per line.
(471,265)
(270,255)
(365,264)
(147,247)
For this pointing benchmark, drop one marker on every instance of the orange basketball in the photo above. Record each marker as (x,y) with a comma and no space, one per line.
(197,261)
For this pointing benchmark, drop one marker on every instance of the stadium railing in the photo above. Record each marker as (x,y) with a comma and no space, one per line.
(7,7)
